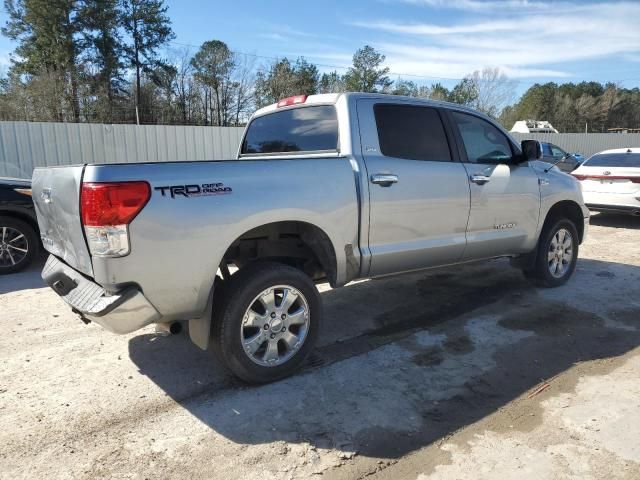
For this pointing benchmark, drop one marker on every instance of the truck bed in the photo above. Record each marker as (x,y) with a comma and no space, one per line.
(195,213)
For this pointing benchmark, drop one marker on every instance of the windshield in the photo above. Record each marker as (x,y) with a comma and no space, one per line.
(304,129)
(614,160)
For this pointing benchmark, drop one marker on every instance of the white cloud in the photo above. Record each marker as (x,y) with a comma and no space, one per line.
(431,29)
(486,5)
(274,36)
(523,44)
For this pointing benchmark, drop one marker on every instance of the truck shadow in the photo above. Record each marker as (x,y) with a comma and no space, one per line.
(405,361)
(25,280)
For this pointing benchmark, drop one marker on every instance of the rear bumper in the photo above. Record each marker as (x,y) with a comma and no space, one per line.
(123,312)
(615,201)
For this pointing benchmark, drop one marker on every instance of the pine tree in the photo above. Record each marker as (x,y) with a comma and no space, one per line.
(366,75)
(213,65)
(48,47)
(148,27)
(284,79)
(103,50)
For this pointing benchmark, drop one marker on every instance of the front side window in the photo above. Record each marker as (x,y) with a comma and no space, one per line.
(411,132)
(303,129)
(483,142)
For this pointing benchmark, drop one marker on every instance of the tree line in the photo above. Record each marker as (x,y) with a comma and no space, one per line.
(111,61)
(577,107)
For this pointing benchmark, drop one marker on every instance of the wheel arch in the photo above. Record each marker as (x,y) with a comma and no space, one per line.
(562,209)
(566,209)
(298,243)
(19,215)
(271,241)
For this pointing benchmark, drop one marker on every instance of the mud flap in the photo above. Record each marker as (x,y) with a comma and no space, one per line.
(200,328)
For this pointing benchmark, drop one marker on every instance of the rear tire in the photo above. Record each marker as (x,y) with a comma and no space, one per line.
(557,254)
(18,245)
(268,323)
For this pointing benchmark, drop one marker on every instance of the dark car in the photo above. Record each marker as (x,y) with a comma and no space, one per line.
(567,162)
(19,237)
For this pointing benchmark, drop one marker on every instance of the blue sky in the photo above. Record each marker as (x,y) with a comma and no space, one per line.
(425,40)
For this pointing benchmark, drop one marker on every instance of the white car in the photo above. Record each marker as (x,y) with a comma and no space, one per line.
(610,181)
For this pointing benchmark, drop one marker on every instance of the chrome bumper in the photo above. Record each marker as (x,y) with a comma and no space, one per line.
(123,312)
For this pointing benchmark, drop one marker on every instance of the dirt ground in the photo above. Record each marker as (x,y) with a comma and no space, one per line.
(465,373)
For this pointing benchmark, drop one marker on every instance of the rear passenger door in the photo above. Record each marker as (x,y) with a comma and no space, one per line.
(418,194)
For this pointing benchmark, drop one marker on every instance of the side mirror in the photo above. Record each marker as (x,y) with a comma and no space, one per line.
(531,150)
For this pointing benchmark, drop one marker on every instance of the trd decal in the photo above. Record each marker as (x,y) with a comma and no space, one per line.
(204,190)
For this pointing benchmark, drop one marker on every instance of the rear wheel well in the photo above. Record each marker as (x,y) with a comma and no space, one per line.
(298,244)
(569,210)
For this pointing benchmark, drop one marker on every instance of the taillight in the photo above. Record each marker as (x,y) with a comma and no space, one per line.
(296,99)
(106,210)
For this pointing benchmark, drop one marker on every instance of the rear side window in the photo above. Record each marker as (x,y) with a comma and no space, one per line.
(304,129)
(411,132)
(483,142)
(614,160)
(557,151)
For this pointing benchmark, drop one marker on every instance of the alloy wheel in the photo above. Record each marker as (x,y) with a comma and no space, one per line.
(560,253)
(14,247)
(275,325)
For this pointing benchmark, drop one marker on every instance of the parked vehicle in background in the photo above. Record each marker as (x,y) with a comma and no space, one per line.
(533,126)
(331,187)
(19,238)
(610,181)
(567,162)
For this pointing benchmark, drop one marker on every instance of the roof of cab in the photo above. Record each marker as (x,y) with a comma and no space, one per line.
(329,98)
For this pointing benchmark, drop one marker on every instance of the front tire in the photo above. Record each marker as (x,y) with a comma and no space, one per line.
(18,245)
(268,323)
(557,254)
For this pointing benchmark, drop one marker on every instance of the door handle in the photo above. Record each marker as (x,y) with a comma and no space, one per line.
(479,179)
(384,179)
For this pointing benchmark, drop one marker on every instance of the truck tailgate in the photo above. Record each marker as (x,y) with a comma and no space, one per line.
(56,195)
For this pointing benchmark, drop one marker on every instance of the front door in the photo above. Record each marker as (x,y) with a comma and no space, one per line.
(418,193)
(505,194)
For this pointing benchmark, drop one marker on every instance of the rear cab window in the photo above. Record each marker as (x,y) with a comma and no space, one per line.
(303,129)
(411,132)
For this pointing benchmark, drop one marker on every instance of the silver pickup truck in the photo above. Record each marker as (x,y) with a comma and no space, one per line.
(325,188)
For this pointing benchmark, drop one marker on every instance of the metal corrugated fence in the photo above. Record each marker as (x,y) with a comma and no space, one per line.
(26,145)
(585,143)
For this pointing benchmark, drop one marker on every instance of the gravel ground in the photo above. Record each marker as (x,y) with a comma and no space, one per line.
(467,372)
